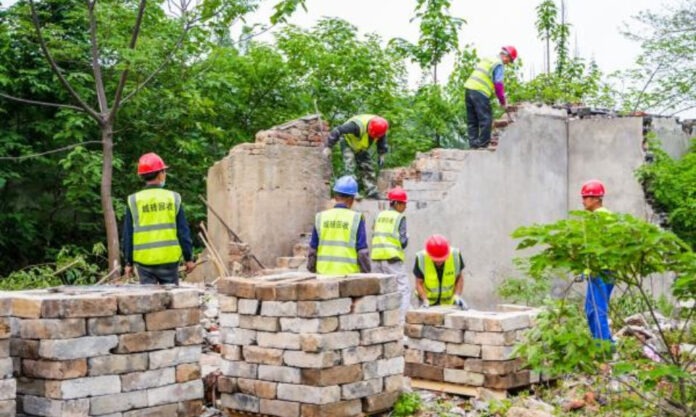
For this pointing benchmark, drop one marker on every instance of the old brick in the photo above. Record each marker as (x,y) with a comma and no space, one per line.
(20,348)
(443,360)
(7,367)
(286,374)
(352,408)
(308,394)
(238,287)
(393,349)
(185,298)
(114,403)
(172,319)
(5,306)
(359,321)
(501,367)
(191,390)
(267,324)
(238,336)
(458,376)
(147,379)
(320,289)
(5,348)
(311,360)
(329,341)
(277,291)
(463,349)
(490,338)
(81,347)
(188,372)
(414,356)
(144,341)
(133,323)
(8,408)
(316,325)
(391,318)
(26,307)
(336,375)
(41,406)
(54,369)
(381,335)
(333,307)
(279,408)
(52,328)
(159,411)
(279,308)
(247,306)
(232,352)
(379,402)
(229,319)
(227,384)
(497,353)
(383,367)
(367,304)
(257,388)
(444,335)
(395,383)
(227,304)
(146,302)
(266,356)
(429,317)
(389,301)
(359,286)
(421,371)
(83,387)
(515,380)
(360,354)
(240,402)
(466,320)
(192,335)
(6,327)
(239,369)
(413,330)
(361,389)
(278,340)
(79,306)
(174,356)
(426,345)
(117,364)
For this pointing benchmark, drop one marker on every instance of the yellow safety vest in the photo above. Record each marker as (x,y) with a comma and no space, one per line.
(155,239)
(444,291)
(362,142)
(385,236)
(481,79)
(337,229)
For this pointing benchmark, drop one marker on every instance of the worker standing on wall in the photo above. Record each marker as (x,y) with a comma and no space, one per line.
(439,272)
(599,287)
(358,133)
(155,231)
(339,242)
(389,239)
(484,81)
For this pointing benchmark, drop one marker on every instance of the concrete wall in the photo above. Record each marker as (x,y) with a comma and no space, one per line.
(673,139)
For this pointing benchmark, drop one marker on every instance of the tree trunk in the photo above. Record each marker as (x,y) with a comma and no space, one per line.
(112,244)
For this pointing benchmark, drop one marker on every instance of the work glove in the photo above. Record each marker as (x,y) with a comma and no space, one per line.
(424,303)
(459,302)
(380,161)
(326,152)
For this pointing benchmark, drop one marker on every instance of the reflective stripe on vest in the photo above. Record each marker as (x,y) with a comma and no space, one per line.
(385,236)
(155,238)
(337,229)
(362,142)
(434,289)
(481,79)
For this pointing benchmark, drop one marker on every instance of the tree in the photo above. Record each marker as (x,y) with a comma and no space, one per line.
(546,24)
(111,67)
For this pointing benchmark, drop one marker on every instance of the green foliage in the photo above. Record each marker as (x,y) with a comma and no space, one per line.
(673,185)
(407,404)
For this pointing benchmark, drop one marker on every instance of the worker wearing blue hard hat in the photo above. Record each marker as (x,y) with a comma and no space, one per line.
(339,241)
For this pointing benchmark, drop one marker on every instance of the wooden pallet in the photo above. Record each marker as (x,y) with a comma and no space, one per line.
(458,389)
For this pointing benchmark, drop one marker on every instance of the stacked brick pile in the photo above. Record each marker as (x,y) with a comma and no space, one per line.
(305,131)
(473,348)
(297,345)
(8,385)
(128,352)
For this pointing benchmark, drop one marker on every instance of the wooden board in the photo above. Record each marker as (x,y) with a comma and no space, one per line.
(467,390)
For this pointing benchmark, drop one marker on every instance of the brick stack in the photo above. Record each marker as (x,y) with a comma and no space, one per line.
(473,348)
(297,345)
(113,352)
(8,385)
(305,131)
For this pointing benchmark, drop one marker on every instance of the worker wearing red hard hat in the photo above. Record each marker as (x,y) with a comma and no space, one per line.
(599,287)
(439,272)
(389,239)
(155,232)
(358,133)
(484,81)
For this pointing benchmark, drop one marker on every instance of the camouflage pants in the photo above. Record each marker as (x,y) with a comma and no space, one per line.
(365,173)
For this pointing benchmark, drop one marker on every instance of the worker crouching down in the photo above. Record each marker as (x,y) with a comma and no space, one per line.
(389,239)
(339,242)
(439,274)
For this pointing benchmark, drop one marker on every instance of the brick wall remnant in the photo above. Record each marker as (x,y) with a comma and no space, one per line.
(295,345)
(108,351)
(8,384)
(473,348)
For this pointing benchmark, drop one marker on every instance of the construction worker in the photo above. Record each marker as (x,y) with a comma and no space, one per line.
(389,239)
(358,134)
(155,231)
(599,287)
(484,81)
(339,242)
(439,272)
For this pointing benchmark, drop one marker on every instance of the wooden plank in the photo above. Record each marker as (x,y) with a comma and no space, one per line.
(467,390)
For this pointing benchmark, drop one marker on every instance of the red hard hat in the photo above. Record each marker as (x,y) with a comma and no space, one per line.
(377,127)
(149,163)
(592,188)
(511,51)
(397,194)
(437,247)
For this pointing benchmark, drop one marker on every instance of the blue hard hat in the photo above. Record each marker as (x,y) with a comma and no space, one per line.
(346,185)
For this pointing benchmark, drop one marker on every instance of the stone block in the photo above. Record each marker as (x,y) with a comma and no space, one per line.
(381,335)
(257,388)
(117,364)
(279,340)
(285,374)
(52,328)
(120,324)
(333,307)
(185,298)
(394,349)
(359,321)
(302,325)
(444,335)
(361,389)
(267,324)
(515,380)
(192,335)
(144,341)
(46,407)
(240,402)
(309,395)
(247,306)
(383,367)
(238,336)
(389,301)
(227,304)
(490,338)
(360,354)
(318,289)
(174,356)
(227,384)
(421,371)
(8,408)
(279,408)
(394,383)
(360,286)
(83,387)
(429,317)
(466,320)
(336,375)
(311,360)
(238,287)
(379,402)
(463,349)
(239,369)
(5,347)
(6,367)
(143,302)
(279,308)
(232,352)
(21,348)
(172,319)
(414,356)
(458,376)
(266,356)
(191,390)
(229,319)
(67,369)
(8,389)
(367,304)
(277,291)
(6,327)
(497,353)
(414,331)
(426,345)
(26,307)
(5,306)
(114,403)
(352,408)
(188,372)
(147,379)
(81,347)
(391,318)
(329,341)
(444,360)
(501,367)
(79,306)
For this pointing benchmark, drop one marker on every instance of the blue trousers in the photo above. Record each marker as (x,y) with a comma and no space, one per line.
(597,307)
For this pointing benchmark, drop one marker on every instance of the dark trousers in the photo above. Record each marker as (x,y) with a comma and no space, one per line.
(158,274)
(479,118)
